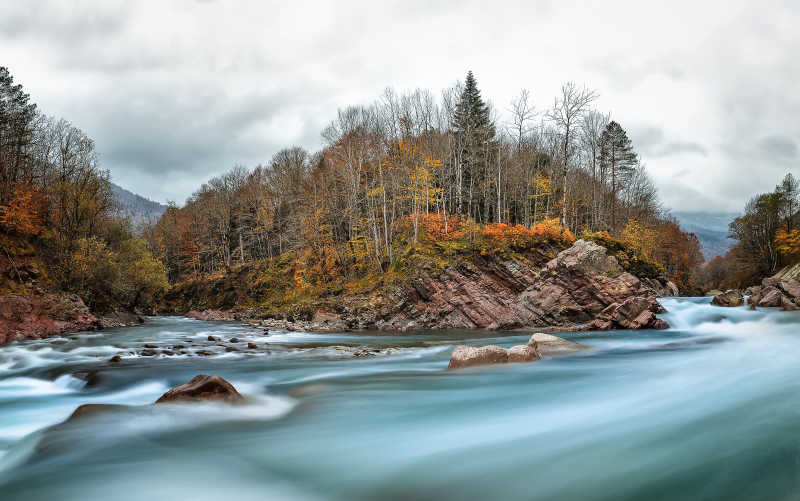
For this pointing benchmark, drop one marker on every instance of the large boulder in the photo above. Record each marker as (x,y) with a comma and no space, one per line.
(470,356)
(547,344)
(769,297)
(633,313)
(776,291)
(731,298)
(202,388)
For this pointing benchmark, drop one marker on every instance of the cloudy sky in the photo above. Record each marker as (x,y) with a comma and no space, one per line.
(176,92)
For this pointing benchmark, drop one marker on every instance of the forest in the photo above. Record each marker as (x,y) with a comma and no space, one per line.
(55,197)
(413,173)
(417,168)
(767,239)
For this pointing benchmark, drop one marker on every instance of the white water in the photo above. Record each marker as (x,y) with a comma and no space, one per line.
(706,410)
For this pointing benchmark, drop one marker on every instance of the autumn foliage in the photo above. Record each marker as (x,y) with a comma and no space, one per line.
(21,212)
(501,235)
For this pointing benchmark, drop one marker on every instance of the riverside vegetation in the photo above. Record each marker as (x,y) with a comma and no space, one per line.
(407,192)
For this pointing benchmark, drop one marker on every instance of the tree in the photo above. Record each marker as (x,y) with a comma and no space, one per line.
(592,127)
(474,132)
(617,155)
(17,126)
(789,190)
(568,107)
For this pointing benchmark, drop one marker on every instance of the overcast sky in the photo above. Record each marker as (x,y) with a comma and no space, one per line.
(176,92)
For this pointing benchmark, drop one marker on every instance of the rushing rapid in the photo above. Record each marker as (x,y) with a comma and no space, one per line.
(709,409)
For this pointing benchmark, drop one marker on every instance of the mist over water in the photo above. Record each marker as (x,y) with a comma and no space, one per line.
(709,409)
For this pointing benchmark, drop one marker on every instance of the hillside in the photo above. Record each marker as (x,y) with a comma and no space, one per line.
(140,209)
(711,230)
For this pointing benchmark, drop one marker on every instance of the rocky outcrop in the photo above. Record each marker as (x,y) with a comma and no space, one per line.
(202,388)
(728,299)
(547,344)
(571,289)
(633,313)
(776,291)
(25,316)
(542,288)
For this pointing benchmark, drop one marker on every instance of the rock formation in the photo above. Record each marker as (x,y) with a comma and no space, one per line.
(729,299)
(571,289)
(36,316)
(568,290)
(776,291)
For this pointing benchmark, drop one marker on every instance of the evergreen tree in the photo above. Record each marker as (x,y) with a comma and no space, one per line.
(17,116)
(474,132)
(618,157)
(789,189)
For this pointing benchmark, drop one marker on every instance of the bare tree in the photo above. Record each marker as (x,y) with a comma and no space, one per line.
(592,128)
(567,109)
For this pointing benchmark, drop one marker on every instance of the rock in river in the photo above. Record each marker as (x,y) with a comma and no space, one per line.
(731,298)
(469,356)
(202,387)
(633,313)
(547,344)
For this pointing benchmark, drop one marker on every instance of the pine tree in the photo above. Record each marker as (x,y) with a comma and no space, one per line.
(616,154)
(789,189)
(474,133)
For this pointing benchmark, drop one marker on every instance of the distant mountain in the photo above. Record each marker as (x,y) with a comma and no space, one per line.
(711,230)
(141,210)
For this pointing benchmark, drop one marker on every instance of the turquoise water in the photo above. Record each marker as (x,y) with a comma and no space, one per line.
(709,409)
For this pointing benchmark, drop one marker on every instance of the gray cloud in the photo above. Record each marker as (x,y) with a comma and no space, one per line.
(651,142)
(779,147)
(176,92)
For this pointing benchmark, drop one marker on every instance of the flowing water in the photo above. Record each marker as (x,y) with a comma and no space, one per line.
(709,409)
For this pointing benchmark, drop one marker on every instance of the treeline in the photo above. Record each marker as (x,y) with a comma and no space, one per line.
(54,194)
(767,239)
(416,166)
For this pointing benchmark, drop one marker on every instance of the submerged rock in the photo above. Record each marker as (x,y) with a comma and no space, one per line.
(729,299)
(633,313)
(547,344)
(202,388)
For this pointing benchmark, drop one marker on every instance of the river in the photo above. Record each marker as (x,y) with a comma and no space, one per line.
(709,409)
